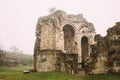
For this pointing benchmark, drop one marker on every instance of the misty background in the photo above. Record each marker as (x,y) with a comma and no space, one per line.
(18,18)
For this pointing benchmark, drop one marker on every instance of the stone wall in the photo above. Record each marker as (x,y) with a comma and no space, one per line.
(113,37)
(46,60)
(67,63)
(61,32)
(107,51)
(66,43)
(51,60)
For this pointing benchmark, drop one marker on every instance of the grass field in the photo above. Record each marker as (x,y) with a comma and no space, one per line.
(16,74)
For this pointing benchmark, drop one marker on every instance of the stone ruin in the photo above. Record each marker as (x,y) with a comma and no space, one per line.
(68,43)
(106,51)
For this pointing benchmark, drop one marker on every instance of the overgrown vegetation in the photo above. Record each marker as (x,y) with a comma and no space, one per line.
(14,73)
(13,59)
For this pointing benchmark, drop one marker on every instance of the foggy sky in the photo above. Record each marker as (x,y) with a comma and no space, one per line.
(18,18)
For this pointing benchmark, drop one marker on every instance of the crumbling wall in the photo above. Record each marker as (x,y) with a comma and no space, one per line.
(52,35)
(113,37)
(106,51)
(46,60)
(96,63)
(55,60)
(67,63)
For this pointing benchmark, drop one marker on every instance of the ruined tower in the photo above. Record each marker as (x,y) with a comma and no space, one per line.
(61,33)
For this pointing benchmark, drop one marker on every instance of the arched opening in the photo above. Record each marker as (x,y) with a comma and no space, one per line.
(69,34)
(84,50)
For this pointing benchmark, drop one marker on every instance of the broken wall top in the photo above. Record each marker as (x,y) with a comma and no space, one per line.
(113,33)
(114,30)
(59,17)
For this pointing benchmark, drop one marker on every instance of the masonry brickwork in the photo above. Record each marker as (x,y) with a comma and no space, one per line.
(59,36)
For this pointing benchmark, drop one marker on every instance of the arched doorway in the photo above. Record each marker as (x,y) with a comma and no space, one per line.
(84,50)
(69,34)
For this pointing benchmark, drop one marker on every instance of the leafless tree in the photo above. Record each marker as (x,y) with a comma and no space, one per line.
(14,49)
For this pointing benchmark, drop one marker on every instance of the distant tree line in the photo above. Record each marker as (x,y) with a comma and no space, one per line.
(14,58)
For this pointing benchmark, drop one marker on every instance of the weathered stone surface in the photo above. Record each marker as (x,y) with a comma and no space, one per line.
(62,32)
(67,63)
(107,51)
(46,60)
(66,43)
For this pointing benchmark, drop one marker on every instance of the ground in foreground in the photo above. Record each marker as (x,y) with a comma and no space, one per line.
(16,74)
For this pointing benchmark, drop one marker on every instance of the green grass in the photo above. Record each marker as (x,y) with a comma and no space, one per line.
(7,73)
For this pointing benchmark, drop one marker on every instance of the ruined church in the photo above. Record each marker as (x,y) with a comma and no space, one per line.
(69,43)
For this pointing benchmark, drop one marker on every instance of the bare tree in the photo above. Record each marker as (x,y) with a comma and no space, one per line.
(14,49)
(1,46)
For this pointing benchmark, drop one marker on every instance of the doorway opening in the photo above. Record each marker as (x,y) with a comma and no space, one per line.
(84,50)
